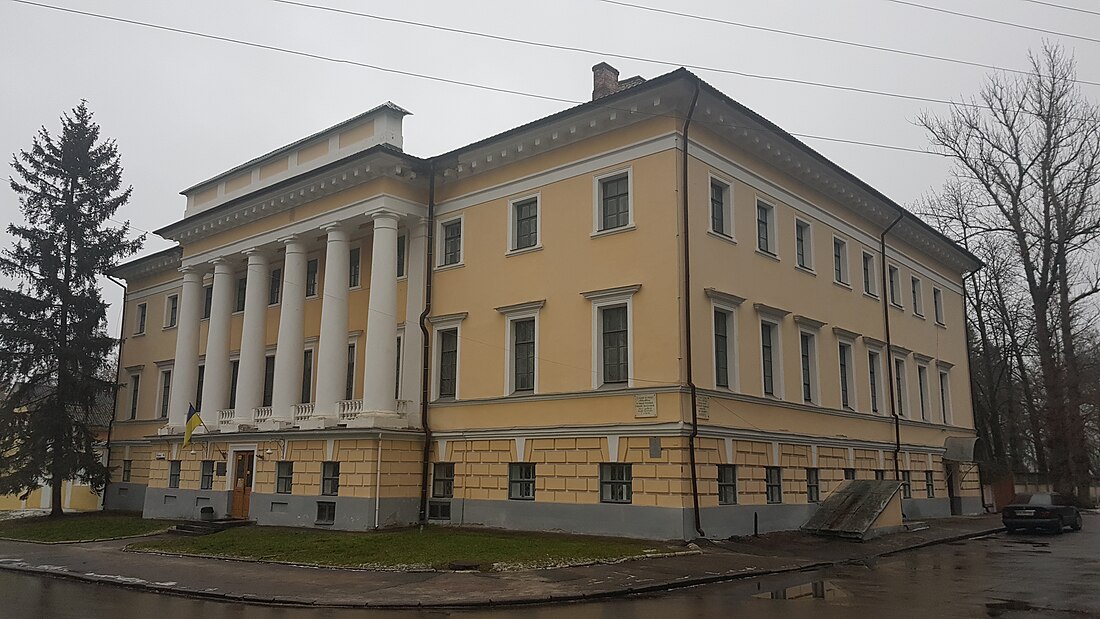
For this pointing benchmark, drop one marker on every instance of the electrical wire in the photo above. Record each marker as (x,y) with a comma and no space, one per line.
(1064,7)
(994,21)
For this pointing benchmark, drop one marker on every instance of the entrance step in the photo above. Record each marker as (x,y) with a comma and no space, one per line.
(206,527)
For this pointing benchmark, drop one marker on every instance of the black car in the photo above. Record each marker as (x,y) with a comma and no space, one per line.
(1041,510)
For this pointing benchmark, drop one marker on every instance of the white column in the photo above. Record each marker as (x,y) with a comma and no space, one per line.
(185,372)
(414,305)
(291,344)
(332,353)
(250,374)
(215,385)
(381,364)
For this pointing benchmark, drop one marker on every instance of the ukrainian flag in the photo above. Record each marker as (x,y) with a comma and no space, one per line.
(193,421)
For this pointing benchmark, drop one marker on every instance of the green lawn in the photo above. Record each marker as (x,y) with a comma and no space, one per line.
(438,547)
(79,527)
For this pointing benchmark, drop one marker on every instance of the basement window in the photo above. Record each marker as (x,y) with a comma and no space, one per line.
(326,512)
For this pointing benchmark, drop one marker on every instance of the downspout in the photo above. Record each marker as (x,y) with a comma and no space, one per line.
(425,351)
(118,382)
(687,319)
(889,348)
(377,480)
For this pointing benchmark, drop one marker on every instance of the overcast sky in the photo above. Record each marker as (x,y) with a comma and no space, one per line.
(184,108)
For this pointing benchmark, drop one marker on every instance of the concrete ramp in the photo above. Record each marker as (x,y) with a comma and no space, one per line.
(859,509)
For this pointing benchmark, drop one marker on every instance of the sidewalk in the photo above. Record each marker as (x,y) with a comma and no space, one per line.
(106,563)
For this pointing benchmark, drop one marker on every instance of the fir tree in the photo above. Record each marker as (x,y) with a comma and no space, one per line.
(53,325)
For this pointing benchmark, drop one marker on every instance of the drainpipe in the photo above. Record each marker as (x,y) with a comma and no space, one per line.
(377,479)
(118,381)
(687,320)
(425,352)
(889,346)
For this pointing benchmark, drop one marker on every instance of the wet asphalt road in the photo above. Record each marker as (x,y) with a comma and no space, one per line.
(1028,575)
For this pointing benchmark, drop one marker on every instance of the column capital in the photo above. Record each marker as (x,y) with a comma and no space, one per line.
(384,215)
(222,265)
(255,251)
(288,239)
(192,270)
(334,226)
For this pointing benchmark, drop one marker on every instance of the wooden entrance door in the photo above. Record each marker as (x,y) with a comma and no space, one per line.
(242,484)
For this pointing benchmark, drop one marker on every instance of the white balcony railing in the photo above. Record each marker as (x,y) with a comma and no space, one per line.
(226,416)
(302,411)
(262,413)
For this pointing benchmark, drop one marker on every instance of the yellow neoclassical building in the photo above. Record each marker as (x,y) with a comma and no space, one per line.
(654,314)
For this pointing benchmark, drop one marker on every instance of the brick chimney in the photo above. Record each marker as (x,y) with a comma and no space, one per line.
(605,81)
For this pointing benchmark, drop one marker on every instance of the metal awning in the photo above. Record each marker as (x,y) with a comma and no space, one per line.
(959,448)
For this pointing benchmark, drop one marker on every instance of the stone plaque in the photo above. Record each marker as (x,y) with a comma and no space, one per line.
(645,405)
(702,406)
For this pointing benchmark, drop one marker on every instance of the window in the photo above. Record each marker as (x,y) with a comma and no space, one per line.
(165,392)
(397,367)
(768,344)
(899,385)
(269,379)
(171,311)
(274,290)
(937,304)
(330,478)
(242,286)
(803,249)
(448,363)
(173,473)
(521,481)
(354,267)
(845,353)
(765,221)
(614,202)
(127,470)
(895,292)
(918,297)
(206,479)
(906,486)
(452,242)
(443,480)
(326,512)
(523,354)
(525,223)
(349,386)
(135,387)
(142,311)
(870,284)
(874,370)
(284,477)
(727,484)
(721,348)
(208,300)
(813,486)
(311,278)
(773,484)
(720,215)
(234,375)
(809,354)
(849,474)
(616,483)
(929,485)
(401,240)
(880,475)
(840,261)
(615,344)
(945,397)
(198,387)
(307,375)
(922,388)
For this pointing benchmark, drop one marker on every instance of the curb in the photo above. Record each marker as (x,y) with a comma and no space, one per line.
(81,541)
(247,598)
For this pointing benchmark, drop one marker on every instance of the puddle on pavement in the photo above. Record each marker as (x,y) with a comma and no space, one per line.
(818,589)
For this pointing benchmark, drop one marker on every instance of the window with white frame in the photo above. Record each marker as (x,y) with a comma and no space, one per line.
(937,305)
(524,224)
(899,386)
(171,311)
(397,364)
(870,277)
(769,357)
(613,347)
(918,296)
(922,389)
(165,392)
(402,243)
(450,242)
(521,481)
(135,389)
(808,350)
(307,376)
(613,201)
(803,245)
(521,347)
(727,484)
(723,331)
(312,267)
(773,484)
(765,228)
(906,485)
(945,396)
(139,322)
(354,267)
(349,384)
(874,371)
(208,301)
(813,485)
(446,353)
(274,290)
(242,285)
(847,383)
(840,261)
(269,380)
(895,285)
(616,483)
(721,215)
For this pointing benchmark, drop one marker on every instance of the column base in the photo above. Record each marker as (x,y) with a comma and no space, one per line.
(378,419)
(317,423)
(275,424)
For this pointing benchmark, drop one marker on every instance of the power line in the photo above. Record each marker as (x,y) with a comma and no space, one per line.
(1062,6)
(443,79)
(829,39)
(994,21)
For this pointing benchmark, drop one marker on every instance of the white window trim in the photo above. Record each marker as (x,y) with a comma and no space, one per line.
(445,323)
(167,312)
(407,234)
(733,362)
(601,299)
(511,249)
(440,243)
(777,357)
(870,283)
(899,302)
(399,382)
(773,238)
(359,245)
(939,313)
(902,395)
(353,342)
(231,464)
(924,393)
(282,274)
(236,282)
(815,389)
(142,318)
(597,202)
(320,278)
(878,379)
(945,394)
(918,297)
(133,405)
(161,369)
(853,393)
(312,372)
(727,207)
(512,313)
(809,245)
(845,266)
